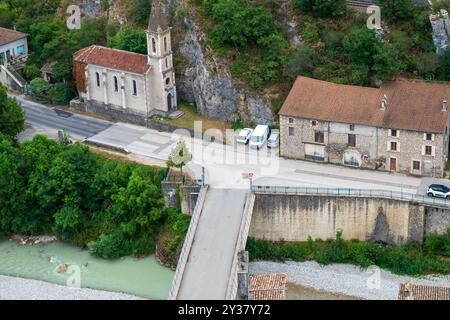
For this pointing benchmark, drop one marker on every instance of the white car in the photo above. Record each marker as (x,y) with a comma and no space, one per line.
(438,190)
(274,139)
(244,136)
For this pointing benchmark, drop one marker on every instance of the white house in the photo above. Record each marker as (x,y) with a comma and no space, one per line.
(13,48)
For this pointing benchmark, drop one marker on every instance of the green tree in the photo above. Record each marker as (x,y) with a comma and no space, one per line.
(369,56)
(130,39)
(13,203)
(6,16)
(40,89)
(12,117)
(61,93)
(322,8)
(143,9)
(180,156)
(444,69)
(396,10)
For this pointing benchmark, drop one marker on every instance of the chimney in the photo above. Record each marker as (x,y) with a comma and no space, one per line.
(444,106)
(384,102)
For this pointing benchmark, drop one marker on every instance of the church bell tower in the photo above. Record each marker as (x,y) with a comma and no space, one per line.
(159,46)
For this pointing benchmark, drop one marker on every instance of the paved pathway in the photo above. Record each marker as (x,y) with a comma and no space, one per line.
(209,264)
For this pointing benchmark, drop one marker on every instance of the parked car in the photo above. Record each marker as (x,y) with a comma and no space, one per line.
(259,136)
(244,136)
(274,139)
(438,190)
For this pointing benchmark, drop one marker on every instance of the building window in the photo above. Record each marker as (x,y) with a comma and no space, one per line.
(319,137)
(352,140)
(167,64)
(428,137)
(154,45)
(165,44)
(167,81)
(20,50)
(97,78)
(291,120)
(134,88)
(291,131)
(393,146)
(352,127)
(428,150)
(416,165)
(116,84)
(314,123)
(393,133)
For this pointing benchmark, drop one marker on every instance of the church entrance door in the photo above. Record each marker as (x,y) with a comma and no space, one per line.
(169,103)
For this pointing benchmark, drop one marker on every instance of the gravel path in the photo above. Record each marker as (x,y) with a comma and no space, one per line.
(12,288)
(345,279)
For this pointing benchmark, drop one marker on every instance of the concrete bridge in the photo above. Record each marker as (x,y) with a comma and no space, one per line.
(208,264)
(222,221)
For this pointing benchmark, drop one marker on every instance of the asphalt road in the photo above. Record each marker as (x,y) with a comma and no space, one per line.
(74,124)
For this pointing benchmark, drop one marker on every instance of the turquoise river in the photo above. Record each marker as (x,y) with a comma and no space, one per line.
(141,277)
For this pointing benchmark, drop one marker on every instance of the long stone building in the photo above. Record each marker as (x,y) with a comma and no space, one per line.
(400,127)
(125,85)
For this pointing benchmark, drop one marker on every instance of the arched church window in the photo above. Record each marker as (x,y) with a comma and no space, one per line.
(97,77)
(116,84)
(154,45)
(165,44)
(167,81)
(167,63)
(134,88)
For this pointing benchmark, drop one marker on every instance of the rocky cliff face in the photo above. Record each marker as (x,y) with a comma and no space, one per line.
(205,80)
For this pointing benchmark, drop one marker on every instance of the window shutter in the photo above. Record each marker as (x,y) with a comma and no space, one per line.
(388,146)
(398,146)
(433,151)
(423,150)
(424,137)
(432,137)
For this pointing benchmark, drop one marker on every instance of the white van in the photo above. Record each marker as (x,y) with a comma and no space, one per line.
(259,136)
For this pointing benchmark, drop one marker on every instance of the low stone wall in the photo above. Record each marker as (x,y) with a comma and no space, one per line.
(188,195)
(114,112)
(295,217)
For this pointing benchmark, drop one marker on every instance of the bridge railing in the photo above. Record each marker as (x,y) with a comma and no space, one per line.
(240,245)
(184,255)
(368,193)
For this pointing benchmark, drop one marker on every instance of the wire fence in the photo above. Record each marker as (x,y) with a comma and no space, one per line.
(362,193)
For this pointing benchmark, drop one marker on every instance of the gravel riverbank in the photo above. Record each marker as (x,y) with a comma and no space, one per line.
(12,288)
(345,279)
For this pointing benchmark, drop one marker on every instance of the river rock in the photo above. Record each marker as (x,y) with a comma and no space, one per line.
(62,268)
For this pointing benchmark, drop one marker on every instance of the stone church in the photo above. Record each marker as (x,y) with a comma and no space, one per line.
(126,85)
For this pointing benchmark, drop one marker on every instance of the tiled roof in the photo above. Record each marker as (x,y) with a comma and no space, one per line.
(411,105)
(113,58)
(7,36)
(409,291)
(267,287)
(48,67)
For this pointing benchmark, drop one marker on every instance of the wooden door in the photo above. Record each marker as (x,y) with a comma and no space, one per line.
(393,165)
(169,103)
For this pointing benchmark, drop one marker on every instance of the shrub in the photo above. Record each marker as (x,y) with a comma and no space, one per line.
(40,89)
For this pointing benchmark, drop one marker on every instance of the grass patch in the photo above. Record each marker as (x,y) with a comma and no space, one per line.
(191,115)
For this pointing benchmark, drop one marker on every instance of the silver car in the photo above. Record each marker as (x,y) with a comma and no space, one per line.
(274,139)
(244,136)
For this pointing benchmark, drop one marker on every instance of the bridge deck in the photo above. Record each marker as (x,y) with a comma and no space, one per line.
(207,271)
